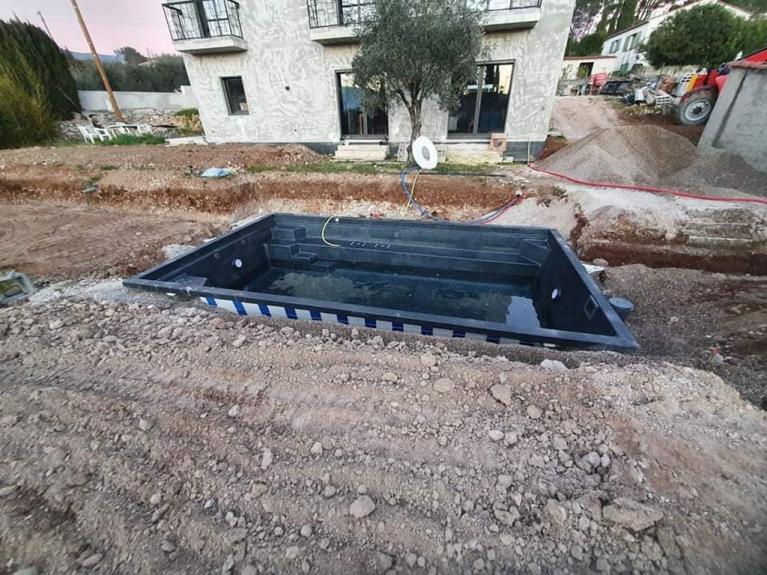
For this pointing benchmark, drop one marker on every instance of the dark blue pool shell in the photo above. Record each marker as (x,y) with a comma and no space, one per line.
(280,266)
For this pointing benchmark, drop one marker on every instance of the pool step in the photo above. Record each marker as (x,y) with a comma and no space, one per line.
(288,233)
(305,258)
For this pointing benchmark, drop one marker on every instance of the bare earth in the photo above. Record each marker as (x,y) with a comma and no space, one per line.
(62,241)
(578,116)
(142,440)
(145,435)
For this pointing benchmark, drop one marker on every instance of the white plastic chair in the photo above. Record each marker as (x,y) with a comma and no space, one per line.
(144,129)
(119,128)
(90,133)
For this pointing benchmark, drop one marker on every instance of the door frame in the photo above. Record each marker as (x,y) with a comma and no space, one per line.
(339,100)
(477,107)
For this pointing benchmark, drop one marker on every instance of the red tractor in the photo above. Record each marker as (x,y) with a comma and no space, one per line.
(696,105)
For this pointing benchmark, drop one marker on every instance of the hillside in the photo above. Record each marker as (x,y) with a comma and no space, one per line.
(610,15)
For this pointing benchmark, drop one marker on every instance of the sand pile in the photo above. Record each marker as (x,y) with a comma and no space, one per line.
(654,156)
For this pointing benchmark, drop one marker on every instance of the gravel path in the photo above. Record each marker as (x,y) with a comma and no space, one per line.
(144,439)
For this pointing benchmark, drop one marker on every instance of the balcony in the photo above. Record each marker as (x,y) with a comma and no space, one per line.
(205,26)
(336,21)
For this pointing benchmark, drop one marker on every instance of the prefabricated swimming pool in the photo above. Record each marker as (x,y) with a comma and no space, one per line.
(492,283)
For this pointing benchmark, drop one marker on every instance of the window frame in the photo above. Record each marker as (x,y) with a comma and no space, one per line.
(227,99)
(478,106)
(339,101)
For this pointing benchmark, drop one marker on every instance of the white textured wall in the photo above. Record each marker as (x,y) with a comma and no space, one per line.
(601,65)
(738,123)
(97,100)
(280,55)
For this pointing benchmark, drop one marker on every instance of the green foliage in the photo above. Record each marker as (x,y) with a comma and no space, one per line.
(704,36)
(609,16)
(625,15)
(25,118)
(411,50)
(163,74)
(589,45)
(190,121)
(131,55)
(37,65)
(753,35)
(187,113)
(131,140)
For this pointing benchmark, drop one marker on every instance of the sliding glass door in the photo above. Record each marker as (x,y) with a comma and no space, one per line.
(484,102)
(355,120)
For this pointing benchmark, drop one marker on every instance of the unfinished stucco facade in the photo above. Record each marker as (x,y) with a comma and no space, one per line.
(289,75)
(738,123)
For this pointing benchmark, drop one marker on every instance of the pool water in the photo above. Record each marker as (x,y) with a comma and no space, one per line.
(511,303)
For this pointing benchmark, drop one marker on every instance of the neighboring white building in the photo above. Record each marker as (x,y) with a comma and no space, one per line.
(625,44)
(277,71)
(583,67)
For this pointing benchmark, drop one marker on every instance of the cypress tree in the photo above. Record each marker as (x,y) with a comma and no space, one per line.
(34,61)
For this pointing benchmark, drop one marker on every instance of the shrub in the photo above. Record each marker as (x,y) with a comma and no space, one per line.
(187,112)
(163,74)
(704,36)
(190,121)
(38,66)
(25,119)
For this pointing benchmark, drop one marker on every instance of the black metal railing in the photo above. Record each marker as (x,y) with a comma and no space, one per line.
(326,13)
(192,19)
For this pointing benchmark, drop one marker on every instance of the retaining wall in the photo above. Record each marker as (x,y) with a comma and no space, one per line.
(97,100)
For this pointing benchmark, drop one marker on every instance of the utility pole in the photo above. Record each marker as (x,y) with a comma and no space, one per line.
(97,61)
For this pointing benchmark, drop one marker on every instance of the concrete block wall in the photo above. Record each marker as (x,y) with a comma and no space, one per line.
(97,100)
(290,81)
(738,123)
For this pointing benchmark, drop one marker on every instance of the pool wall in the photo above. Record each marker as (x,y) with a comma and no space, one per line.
(217,273)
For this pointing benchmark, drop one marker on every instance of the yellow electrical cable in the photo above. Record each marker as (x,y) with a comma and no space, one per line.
(412,190)
(322,234)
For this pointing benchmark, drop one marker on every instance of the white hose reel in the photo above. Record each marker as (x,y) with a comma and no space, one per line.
(425,154)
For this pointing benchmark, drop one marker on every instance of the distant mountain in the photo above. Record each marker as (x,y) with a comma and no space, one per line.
(87,57)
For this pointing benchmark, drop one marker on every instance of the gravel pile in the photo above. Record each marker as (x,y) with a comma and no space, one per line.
(141,438)
(653,156)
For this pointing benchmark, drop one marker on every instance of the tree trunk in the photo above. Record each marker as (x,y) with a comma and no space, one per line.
(415,128)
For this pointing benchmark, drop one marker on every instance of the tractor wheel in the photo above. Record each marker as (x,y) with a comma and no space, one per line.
(697,108)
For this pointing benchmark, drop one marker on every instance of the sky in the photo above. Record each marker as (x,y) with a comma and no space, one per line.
(112,23)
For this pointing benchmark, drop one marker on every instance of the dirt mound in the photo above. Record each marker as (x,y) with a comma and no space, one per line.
(196,157)
(653,156)
(578,116)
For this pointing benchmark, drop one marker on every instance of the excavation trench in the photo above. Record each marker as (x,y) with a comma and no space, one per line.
(616,238)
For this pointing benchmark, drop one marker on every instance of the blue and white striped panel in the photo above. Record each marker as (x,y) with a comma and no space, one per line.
(282,312)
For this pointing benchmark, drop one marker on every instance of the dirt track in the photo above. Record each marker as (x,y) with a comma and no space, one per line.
(141,440)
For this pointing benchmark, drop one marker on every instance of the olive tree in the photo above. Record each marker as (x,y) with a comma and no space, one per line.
(411,50)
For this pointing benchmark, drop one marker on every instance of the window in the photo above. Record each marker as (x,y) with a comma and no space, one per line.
(356,11)
(355,120)
(615,46)
(483,110)
(235,95)
(631,42)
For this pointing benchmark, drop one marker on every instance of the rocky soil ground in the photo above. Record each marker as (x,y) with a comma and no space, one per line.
(145,435)
(143,438)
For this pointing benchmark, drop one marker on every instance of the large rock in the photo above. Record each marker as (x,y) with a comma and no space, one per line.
(501,392)
(631,514)
(362,507)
